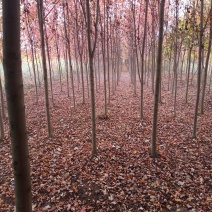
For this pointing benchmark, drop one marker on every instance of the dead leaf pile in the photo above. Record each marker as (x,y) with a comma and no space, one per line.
(122,177)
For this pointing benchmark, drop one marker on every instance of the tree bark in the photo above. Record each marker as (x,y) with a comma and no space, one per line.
(158,80)
(104,60)
(15,103)
(188,73)
(32,53)
(142,61)
(91,57)
(206,63)
(2,100)
(45,77)
(199,71)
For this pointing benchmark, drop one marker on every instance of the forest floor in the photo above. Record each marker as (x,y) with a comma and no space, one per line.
(122,177)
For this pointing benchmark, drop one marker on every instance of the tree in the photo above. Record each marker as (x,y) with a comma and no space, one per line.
(29,31)
(15,103)
(142,59)
(40,17)
(199,71)
(175,57)
(2,115)
(80,46)
(2,100)
(158,81)
(207,62)
(68,43)
(91,51)
(102,33)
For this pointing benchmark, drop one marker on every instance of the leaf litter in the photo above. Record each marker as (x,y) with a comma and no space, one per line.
(122,177)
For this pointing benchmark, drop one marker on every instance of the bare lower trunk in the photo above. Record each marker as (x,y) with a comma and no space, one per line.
(40,17)
(199,72)
(91,51)
(188,74)
(2,100)
(15,103)
(206,64)
(158,80)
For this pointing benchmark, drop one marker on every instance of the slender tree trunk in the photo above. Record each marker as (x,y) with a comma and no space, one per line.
(98,67)
(158,80)
(181,70)
(170,61)
(49,63)
(175,60)
(108,54)
(193,66)
(209,89)
(80,45)
(2,113)
(148,67)
(104,61)
(91,57)
(15,103)
(82,79)
(2,100)
(199,71)
(87,75)
(142,60)
(134,62)
(28,63)
(45,76)
(59,61)
(1,127)
(67,35)
(77,64)
(67,70)
(37,61)
(118,62)
(96,79)
(188,74)
(153,44)
(206,64)
(32,54)
(112,59)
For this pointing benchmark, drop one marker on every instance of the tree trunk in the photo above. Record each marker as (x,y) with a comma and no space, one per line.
(104,61)
(153,44)
(142,61)
(77,65)
(199,71)
(91,57)
(206,64)
(67,36)
(2,113)
(37,61)
(134,44)
(58,60)
(15,103)
(80,45)
(1,127)
(28,63)
(170,61)
(32,54)
(2,100)
(45,77)
(49,63)
(158,80)
(209,89)
(181,69)
(108,53)
(188,73)
(175,65)
(67,70)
